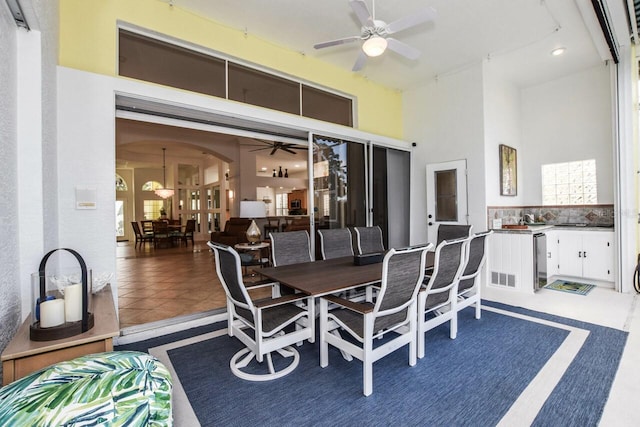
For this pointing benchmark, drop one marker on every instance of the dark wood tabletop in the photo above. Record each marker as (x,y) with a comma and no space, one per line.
(324,277)
(328,276)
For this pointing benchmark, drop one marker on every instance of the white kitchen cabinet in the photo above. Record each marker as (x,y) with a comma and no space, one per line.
(552,253)
(586,254)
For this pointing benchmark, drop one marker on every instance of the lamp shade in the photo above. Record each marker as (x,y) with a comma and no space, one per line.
(252,209)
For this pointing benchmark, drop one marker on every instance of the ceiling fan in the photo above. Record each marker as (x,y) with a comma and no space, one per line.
(274,146)
(375,33)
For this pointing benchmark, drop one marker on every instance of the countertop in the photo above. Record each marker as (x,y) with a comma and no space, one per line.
(531,229)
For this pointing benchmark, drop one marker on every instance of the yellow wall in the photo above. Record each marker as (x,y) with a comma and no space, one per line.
(88,41)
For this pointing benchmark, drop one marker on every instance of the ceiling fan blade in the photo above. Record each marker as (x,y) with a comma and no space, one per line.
(259,149)
(403,49)
(423,15)
(275,148)
(336,42)
(288,150)
(362,59)
(362,12)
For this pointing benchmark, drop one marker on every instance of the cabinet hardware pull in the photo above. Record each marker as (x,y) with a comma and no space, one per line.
(584,254)
(579,254)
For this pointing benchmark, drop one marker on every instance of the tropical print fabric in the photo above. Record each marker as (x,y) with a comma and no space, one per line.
(119,388)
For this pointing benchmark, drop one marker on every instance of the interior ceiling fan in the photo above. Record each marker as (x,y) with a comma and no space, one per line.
(275,146)
(375,33)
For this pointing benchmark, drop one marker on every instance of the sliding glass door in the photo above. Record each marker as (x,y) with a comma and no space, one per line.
(356,184)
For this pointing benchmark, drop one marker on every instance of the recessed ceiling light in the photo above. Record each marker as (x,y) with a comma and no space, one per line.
(297,166)
(558,51)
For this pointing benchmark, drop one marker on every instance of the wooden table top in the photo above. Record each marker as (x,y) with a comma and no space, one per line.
(325,277)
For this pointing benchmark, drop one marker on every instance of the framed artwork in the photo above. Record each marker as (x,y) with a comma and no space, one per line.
(508,171)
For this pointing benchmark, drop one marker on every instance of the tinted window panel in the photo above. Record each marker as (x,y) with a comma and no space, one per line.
(264,90)
(326,106)
(155,61)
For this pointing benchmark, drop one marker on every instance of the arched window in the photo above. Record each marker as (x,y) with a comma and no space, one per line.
(121,184)
(151,186)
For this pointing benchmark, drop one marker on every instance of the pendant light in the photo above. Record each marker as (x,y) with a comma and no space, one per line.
(164,192)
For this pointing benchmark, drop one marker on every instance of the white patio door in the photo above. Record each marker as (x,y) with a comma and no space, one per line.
(446,195)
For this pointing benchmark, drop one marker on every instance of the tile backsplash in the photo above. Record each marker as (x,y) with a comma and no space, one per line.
(557,214)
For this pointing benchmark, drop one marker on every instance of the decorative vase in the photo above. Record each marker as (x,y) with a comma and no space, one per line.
(274,173)
(280,172)
(286,173)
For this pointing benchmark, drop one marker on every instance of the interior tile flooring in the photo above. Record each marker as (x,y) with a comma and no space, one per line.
(159,286)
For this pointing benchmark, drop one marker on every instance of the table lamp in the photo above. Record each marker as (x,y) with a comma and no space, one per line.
(253,209)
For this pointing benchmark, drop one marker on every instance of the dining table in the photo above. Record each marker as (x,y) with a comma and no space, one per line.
(324,277)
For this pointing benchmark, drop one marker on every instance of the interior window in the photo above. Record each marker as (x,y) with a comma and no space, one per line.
(151,186)
(570,183)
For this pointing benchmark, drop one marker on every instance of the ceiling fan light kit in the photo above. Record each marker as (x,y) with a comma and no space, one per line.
(374,33)
(374,46)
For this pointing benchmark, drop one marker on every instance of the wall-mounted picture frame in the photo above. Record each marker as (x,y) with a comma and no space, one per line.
(508,171)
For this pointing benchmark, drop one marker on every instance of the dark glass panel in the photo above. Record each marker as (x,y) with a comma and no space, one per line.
(446,195)
(264,90)
(321,105)
(155,61)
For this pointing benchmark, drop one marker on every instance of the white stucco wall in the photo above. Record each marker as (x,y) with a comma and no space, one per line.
(9,260)
(502,125)
(565,120)
(445,119)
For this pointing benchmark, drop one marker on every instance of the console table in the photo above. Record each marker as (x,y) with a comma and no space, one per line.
(23,356)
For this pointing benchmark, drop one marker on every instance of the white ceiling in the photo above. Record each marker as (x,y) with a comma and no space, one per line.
(517,34)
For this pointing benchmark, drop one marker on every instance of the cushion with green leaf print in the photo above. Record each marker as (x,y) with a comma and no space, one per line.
(118,388)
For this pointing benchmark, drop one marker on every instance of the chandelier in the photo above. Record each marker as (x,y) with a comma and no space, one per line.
(164,192)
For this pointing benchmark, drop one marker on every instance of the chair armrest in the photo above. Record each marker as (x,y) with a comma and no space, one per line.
(260,284)
(269,302)
(358,307)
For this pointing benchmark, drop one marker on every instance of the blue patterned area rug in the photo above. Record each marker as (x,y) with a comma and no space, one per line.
(514,365)
(571,287)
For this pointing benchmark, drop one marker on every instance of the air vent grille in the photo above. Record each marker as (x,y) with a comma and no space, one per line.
(503,279)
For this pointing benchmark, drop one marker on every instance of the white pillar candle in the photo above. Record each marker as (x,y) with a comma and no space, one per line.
(73,302)
(51,313)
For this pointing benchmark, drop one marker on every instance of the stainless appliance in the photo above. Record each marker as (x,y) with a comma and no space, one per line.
(539,261)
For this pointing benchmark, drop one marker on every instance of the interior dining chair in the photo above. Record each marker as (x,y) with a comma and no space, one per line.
(369,239)
(187,234)
(394,310)
(335,243)
(469,283)
(275,324)
(437,298)
(160,233)
(141,238)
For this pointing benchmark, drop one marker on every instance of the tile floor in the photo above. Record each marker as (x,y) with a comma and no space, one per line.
(165,285)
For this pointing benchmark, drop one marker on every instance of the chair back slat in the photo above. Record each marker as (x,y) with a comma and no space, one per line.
(475,259)
(369,239)
(230,275)
(449,258)
(452,232)
(335,243)
(402,275)
(291,247)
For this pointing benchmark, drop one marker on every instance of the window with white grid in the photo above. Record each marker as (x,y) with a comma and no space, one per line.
(571,183)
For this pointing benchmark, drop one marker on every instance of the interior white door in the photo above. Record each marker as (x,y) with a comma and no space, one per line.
(446,195)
